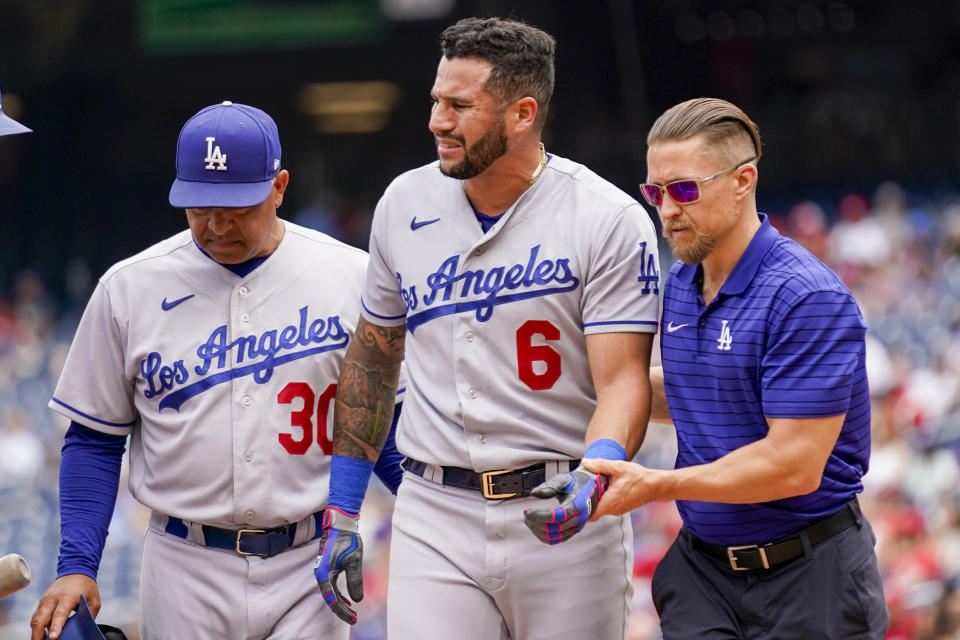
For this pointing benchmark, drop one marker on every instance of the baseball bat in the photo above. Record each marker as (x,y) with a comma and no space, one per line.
(14,574)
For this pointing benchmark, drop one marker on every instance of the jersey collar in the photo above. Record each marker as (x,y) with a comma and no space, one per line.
(242,269)
(746,266)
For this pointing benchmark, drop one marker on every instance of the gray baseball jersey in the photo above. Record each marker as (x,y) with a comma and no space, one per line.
(497,371)
(498,378)
(226,383)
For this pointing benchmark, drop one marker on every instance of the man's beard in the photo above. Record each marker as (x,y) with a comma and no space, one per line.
(689,251)
(480,155)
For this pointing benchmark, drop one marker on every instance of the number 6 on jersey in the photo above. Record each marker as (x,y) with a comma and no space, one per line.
(528,353)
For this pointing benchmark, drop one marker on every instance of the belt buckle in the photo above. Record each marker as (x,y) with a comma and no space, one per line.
(486,484)
(240,533)
(733,558)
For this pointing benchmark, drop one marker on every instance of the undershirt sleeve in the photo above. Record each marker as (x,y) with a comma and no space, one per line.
(89,478)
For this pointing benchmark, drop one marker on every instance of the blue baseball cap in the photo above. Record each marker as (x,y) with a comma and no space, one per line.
(80,626)
(8,125)
(227,156)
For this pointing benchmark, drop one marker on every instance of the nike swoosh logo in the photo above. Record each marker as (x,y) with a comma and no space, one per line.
(170,305)
(414,225)
(673,327)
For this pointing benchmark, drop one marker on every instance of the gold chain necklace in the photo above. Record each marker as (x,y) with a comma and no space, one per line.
(539,169)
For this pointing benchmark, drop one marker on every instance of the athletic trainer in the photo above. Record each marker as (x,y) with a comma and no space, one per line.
(764,378)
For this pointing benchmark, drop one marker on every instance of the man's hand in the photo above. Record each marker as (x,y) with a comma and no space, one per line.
(59,601)
(578,491)
(631,486)
(341,550)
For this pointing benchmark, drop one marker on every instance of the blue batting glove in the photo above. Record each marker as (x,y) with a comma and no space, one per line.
(578,491)
(341,551)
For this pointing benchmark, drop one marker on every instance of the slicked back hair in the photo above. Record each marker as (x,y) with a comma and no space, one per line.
(520,56)
(724,125)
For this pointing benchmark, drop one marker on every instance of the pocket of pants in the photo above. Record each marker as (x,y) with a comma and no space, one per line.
(656,581)
(869,591)
(865,590)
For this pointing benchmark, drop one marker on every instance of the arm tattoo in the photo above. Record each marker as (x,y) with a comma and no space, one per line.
(366,391)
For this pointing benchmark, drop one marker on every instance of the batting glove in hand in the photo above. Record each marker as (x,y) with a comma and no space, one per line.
(578,491)
(341,550)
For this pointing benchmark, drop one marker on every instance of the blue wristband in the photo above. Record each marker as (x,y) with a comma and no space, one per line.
(605,448)
(348,482)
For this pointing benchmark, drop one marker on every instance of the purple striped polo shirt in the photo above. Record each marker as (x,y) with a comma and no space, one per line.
(783,338)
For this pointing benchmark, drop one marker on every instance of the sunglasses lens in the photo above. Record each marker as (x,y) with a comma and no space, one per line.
(684,191)
(652,194)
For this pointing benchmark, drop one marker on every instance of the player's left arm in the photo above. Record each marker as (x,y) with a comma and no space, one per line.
(620,365)
(621,289)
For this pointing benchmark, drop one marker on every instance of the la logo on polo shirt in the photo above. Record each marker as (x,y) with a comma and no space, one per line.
(726,338)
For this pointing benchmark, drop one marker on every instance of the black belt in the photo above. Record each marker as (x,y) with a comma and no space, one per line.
(247,542)
(771,554)
(494,485)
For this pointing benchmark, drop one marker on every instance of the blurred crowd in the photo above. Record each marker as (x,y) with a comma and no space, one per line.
(900,254)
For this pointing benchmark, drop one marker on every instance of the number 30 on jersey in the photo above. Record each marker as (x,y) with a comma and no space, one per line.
(303,418)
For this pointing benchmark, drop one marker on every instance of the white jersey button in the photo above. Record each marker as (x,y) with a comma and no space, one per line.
(243,291)
(251,514)
(469,336)
(478,251)
(248,456)
(482,438)
(247,401)
(473,393)
(245,317)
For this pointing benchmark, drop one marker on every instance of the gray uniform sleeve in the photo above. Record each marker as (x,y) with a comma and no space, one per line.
(381,300)
(622,290)
(94,389)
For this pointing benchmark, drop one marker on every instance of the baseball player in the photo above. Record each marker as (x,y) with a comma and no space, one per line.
(522,289)
(9,126)
(217,351)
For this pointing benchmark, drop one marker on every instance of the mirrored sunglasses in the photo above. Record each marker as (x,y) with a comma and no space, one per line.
(682,191)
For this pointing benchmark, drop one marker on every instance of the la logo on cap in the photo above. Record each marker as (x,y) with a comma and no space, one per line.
(207,177)
(215,159)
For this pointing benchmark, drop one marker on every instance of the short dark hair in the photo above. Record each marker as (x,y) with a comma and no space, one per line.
(520,55)
(724,124)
